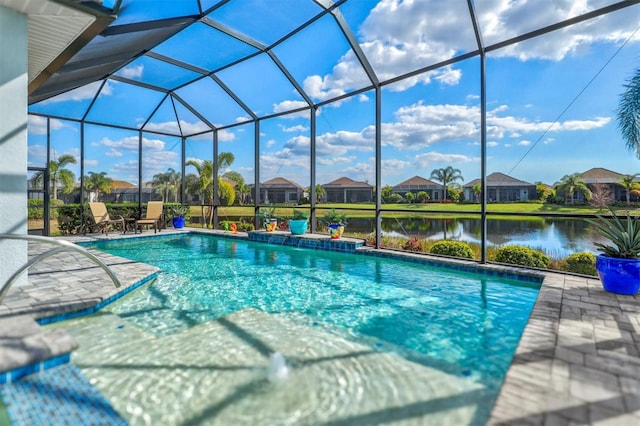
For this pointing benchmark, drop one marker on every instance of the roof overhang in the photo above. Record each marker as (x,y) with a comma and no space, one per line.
(57,30)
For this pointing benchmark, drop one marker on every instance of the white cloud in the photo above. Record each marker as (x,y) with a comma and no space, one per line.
(131,143)
(114,153)
(37,125)
(37,155)
(503,20)
(343,141)
(81,93)
(294,129)
(158,161)
(270,143)
(402,36)
(363,172)
(524,143)
(133,71)
(242,119)
(548,141)
(363,98)
(433,159)
(418,126)
(272,165)
(171,127)
(492,144)
(289,106)
(336,161)
(90,163)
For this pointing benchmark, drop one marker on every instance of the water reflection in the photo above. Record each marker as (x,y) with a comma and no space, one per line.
(558,237)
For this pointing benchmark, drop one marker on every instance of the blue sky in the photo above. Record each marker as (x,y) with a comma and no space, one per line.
(551,101)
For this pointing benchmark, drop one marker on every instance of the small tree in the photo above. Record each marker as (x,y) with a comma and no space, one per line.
(385,193)
(455,193)
(543,192)
(601,196)
(410,197)
(422,197)
(570,184)
(630,186)
(476,191)
(98,183)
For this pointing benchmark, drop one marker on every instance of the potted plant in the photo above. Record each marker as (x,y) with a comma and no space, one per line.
(335,223)
(269,221)
(179,214)
(298,225)
(619,264)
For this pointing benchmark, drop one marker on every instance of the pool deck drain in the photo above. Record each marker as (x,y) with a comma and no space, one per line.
(578,361)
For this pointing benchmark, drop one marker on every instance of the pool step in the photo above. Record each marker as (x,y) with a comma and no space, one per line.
(59,396)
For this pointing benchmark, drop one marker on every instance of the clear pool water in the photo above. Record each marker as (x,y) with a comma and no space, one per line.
(365,337)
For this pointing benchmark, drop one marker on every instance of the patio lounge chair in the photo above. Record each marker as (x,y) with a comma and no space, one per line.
(102,219)
(153,216)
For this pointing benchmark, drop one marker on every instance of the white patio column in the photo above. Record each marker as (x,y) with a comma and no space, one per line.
(13,141)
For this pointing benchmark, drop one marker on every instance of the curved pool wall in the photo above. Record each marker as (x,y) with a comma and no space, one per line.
(387,309)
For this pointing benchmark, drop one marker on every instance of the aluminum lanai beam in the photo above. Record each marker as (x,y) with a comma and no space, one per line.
(193,111)
(138,83)
(355,46)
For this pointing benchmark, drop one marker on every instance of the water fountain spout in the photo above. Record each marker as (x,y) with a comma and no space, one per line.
(277,371)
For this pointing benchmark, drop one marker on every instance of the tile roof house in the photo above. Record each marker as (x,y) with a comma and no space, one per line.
(346,190)
(611,179)
(417,184)
(123,192)
(279,190)
(503,188)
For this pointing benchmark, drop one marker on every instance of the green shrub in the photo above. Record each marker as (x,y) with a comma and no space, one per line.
(245,227)
(69,221)
(524,256)
(36,208)
(452,248)
(69,218)
(581,263)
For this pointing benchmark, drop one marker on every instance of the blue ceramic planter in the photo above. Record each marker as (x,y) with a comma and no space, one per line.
(621,276)
(298,227)
(178,222)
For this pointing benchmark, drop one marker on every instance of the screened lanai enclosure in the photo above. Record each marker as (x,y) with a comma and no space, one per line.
(421,120)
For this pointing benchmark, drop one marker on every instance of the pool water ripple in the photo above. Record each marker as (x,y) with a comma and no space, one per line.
(363,335)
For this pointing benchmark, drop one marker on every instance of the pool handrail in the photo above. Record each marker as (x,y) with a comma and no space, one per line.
(62,246)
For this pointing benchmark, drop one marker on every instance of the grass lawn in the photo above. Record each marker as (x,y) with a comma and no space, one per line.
(367,210)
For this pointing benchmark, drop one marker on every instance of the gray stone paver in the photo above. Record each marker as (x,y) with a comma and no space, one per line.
(64,282)
(577,362)
(594,377)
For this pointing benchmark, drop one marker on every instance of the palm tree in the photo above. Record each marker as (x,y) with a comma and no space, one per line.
(160,184)
(174,179)
(166,183)
(98,183)
(57,174)
(224,161)
(204,180)
(319,192)
(630,186)
(476,191)
(446,176)
(570,184)
(629,114)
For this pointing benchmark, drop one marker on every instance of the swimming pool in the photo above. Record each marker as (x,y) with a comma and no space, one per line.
(365,339)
